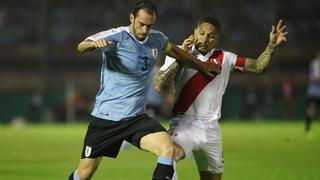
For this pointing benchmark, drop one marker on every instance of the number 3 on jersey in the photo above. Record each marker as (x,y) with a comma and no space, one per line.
(145,63)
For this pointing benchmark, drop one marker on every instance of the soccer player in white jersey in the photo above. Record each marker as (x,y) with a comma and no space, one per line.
(197,103)
(128,55)
(313,90)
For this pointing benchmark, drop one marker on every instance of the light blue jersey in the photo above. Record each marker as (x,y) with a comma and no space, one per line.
(314,73)
(126,72)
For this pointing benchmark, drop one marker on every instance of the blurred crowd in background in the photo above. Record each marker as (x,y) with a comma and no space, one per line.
(44,79)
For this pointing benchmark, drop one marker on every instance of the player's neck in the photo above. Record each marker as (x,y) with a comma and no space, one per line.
(132,34)
(204,54)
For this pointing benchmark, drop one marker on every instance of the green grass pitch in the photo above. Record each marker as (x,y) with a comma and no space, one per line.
(252,151)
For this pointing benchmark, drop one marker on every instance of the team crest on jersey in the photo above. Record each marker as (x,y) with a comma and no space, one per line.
(154,52)
(87,152)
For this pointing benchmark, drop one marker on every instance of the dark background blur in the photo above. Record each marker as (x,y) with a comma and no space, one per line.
(44,78)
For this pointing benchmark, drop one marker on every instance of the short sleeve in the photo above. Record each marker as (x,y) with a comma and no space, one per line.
(236,62)
(164,40)
(113,35)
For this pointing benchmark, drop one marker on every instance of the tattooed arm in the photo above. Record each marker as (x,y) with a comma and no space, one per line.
(260,65)
(164,78)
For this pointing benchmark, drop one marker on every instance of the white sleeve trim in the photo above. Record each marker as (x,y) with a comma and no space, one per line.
(107,33)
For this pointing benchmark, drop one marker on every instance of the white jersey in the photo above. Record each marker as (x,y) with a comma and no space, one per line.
(198,99)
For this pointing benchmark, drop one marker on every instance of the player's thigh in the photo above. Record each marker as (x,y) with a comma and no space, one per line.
(179,152)
(103,138)
(185,137)
(158,143)
(209,157)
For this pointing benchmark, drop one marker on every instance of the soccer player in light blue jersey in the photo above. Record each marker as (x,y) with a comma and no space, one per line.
(313,90)
(128,55)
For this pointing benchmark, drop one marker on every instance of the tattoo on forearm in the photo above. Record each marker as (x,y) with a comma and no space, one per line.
(163,79)
(263,61)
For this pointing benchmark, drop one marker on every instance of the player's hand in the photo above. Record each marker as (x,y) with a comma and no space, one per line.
(278,34)
(101,43)
(214,66)
(209,68)
(187,43)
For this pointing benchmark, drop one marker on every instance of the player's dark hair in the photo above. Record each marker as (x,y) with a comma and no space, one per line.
(148,6)
(211,20)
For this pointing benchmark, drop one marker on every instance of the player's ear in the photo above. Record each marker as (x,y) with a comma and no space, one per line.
(131,17)
(195,32)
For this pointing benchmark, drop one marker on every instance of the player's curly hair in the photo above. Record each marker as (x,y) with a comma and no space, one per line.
(148,6)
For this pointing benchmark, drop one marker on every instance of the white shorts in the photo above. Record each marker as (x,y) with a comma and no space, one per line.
(204,143)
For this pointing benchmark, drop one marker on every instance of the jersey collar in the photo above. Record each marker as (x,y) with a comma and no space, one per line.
(141,42)
(199,55)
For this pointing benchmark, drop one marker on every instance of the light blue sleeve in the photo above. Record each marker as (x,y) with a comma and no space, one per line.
(165,41)
(113,35)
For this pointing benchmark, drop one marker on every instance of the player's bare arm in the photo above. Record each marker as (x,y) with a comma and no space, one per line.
(277,37)
(89,45)
(164,78)
(185,58)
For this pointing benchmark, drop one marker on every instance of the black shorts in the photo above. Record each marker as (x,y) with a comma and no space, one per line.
(105,137)
(313,99)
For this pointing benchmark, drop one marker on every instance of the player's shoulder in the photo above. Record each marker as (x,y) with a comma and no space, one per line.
(214,53)
(112,31)
(225,53)
(156,33)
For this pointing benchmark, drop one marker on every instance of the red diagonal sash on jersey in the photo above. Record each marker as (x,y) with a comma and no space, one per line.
(193,87)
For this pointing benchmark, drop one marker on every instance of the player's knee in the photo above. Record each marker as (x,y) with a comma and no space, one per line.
(210,175)
(85,173)
(178,154)
(166,150)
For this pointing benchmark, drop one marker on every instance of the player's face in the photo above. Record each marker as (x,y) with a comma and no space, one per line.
(206,37)
(142,24)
